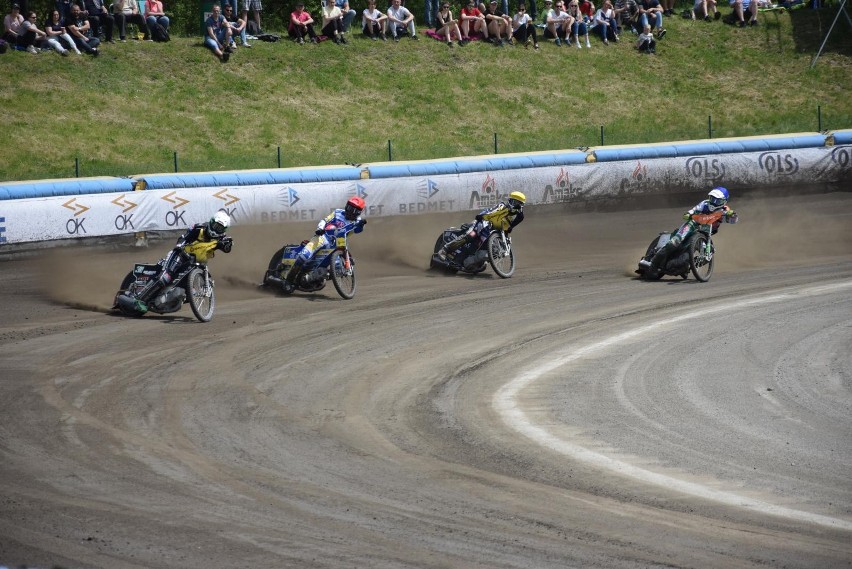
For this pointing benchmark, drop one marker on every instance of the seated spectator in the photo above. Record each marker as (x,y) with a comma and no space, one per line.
(12,25)
(218,36)
(499,24)
(446,25)
(332,23)
(126,11)
(523,29)
(743,8)
(703,8)
(548,6)
(587,8)
(348,14)
(605,23)
(100,19)
(401,21)
(81,31)
(558,24)
(651,10)
(57,35)
(30,37)
(302,24)
(155,16)
(472,21)
(64,7)
(238,26)
(373,22)
(580,25)
(627,15)
(646,42)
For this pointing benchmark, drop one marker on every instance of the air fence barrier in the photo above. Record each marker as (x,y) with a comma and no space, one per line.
(96,207)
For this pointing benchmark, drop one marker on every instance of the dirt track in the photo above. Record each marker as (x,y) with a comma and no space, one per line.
(383,432)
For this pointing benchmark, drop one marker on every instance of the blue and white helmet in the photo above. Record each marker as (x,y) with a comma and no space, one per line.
(717,198)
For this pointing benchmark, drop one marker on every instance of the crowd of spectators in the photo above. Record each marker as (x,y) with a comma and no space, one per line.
(82,26)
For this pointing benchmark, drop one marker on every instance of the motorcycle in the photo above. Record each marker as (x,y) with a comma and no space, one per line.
(695,254)
(332,263)
(489,246)
(193,284)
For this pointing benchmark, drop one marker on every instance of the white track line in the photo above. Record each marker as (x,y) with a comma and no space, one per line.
(505,404)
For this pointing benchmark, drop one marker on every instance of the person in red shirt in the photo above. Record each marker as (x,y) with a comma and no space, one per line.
(301,25)
(471,21)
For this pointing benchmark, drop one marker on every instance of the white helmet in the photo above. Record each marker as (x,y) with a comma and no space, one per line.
(218,224)
(717,198)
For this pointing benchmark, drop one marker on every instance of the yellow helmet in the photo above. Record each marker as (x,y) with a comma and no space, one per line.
(516,200)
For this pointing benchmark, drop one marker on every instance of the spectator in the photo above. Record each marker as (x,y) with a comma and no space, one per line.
(605,23)
(100,19)
(523,29)
(499,24)
(472,20)
(256,8)
(302,24)
(57,35)
(154,16)
(652,10)
(742,8)
(668,7)
(580,25)
(30,37)
(238,26)
(373,22)
(232,4)
(127,11)
(447,26)
(80,30)
(646,42)
(430,10)
(702,9)
(348,14)
(627,15)
(332,22)
(218,37)
(532,10)
(587,8)
(401,21)
(64,7)
(12,25)
(558,26)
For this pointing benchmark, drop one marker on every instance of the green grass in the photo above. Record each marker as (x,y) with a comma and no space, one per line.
(128,111)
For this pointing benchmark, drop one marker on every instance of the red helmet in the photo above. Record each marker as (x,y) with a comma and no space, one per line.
(354,206)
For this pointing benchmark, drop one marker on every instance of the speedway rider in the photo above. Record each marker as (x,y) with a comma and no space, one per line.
(213,230)
(504,215)
(717,200)
(322,240)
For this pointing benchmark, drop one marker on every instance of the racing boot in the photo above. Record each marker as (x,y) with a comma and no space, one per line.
(653,272)
(290,280)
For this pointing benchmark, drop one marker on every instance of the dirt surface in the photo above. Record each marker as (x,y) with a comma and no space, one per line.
(570,416)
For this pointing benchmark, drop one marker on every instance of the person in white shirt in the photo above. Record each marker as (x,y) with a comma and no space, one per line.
(523,28)
(558,23)
(373,22)
(400,21)
(646,42)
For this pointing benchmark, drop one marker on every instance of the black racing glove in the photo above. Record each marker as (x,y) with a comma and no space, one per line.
(362,222)
(225,244)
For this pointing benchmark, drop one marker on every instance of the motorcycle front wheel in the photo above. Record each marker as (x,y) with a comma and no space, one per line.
(343,274)
(502,259)
(201,298)
(699,264)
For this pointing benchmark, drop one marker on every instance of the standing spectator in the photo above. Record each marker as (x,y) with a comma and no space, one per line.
(742,8)
(373,22)
(431,9)
(155,16)
(302,24)
(605,23)
(332,22)
(80,30)
(127,11)
(646,42)
(401,21)
(702,9)
(30,37)
(523,28)
(218,36)
(652,10)
(580,25)
(558,24)
(668,7)
(57,35)
(12,25)
(238,26)
(348,14)
(499,24)
(100,19)
(472,20)
(446,26)
(256,7)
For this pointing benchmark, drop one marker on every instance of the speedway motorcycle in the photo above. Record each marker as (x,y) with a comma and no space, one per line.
(192,284)
(334,263)
(488,246)
(694,254)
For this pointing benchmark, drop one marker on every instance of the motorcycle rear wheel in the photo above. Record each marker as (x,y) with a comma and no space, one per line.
(502,263)
(125,289)
(699,265)
(273,264)
(201,300)
(342,276)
